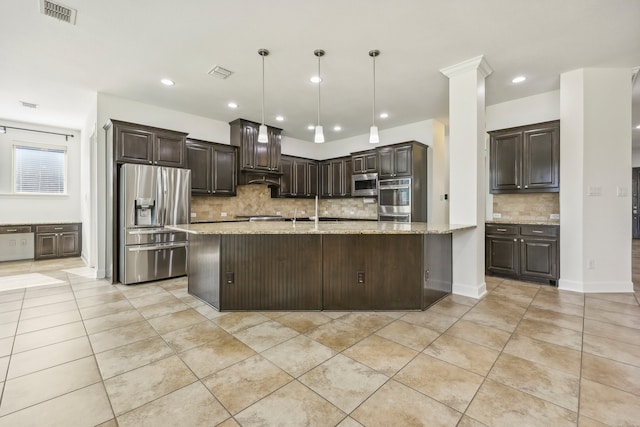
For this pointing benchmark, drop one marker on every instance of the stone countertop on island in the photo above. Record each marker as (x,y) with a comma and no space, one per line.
(524,222)
(34,223)
(309,227)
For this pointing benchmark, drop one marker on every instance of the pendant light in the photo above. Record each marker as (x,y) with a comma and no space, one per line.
(373,131)
(262,133)
(319,135)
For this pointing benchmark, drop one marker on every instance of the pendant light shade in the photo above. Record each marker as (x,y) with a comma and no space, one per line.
(262,132)
(319,135)
(374,138)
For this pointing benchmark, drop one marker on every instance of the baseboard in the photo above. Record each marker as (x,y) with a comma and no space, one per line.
(595,287)
(473,291)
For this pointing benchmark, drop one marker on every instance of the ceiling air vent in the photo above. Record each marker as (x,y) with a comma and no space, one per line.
(58,11)
(28,104)
(219,72)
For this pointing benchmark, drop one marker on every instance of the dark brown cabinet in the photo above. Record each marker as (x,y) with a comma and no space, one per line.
(395,161)
(213,168)
(256,160)
(135,143)
(299,178)
(335,177)
(58,240)
(365,161)
(523,251)
(525,159)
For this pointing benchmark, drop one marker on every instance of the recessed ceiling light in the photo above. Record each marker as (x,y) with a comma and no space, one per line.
(518,79)
(315,79)
(337,128)
(384,115)
(311,127)
(280,118)
(167,82)
(232,105)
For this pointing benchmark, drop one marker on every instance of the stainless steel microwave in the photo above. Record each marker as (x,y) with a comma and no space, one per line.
(364,184)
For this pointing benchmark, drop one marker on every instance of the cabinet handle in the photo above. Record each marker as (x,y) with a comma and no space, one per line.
(526,186)
(537,231)
(13,230)
(522,240)
(150,162)
(502,230)
(57,228)
(515,240)
(518,186)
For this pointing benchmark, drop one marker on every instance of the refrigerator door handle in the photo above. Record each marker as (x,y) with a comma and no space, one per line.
(162,196)
(157,247)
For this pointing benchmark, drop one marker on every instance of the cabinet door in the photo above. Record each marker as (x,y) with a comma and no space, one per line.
(169,150)
(199,161)
(541,159)
(359,165)
(312,180)
(46,245)
(385,157)
(286,180)
(371,162)
(249,140)
(502,254)
(506,152)
(347,171)
(299,178)
(68,244)
(539,258)
(325,179)
(275,148)
(133,145)
(337,187)
(402,161)
(224,171)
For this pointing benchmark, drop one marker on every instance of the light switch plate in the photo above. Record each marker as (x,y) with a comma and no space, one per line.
(622,192)
(594,191)
(497,215)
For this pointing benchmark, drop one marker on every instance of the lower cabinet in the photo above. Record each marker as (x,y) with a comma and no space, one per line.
(58,240)
(529,252)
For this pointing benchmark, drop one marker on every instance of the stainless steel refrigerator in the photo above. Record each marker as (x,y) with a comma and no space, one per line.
(152,197)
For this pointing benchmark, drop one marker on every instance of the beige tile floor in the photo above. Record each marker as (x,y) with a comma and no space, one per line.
(84,352)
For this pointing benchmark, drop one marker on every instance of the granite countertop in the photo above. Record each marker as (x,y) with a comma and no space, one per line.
(304,218)
(22,224)
(524,222)
(309,227)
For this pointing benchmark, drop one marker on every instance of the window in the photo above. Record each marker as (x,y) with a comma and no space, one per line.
(40,169)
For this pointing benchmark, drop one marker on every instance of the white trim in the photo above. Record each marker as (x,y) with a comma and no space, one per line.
(595,287)
(478,63)
(473,291)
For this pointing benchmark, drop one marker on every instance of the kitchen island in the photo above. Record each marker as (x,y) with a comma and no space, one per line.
(351,265)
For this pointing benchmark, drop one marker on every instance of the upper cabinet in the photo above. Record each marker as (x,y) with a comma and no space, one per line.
(335,177)
(525,159)
(257,161)
(213,168)
(145,144)
(299,178)
(365,161)
(395,161)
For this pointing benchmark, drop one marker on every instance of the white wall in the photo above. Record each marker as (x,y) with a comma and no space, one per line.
(88,205)
(24,209)
(596,178)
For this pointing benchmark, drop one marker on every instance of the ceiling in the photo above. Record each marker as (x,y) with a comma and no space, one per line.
(124,48)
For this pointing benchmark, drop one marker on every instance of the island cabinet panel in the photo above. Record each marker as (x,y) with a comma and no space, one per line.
(270,272)
(372,272)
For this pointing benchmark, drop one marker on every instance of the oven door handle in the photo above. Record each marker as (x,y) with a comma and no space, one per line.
(157,247)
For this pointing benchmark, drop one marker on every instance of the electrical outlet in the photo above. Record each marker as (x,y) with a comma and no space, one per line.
(591,264)
(193,214)
(278,213)
(554,216)
(497,215)
(223,214)
(621,191)
(303,212)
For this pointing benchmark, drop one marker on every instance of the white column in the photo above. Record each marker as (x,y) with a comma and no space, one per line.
(467,172)
(595,180)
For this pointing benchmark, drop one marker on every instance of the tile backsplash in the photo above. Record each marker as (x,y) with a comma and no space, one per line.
(526,207)
(256,200)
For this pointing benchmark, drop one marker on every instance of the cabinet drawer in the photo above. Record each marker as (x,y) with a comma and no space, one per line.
(56,228)
(15,229)
(539,230)
(501,229)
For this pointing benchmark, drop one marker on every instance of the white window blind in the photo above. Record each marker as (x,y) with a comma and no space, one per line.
(39,170)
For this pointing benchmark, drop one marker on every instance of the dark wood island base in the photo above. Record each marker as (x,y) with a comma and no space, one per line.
(319,271)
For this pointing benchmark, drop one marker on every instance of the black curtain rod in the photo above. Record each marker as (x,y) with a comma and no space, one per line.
(66,135)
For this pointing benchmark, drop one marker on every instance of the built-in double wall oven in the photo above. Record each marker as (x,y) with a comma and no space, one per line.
(394,200)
